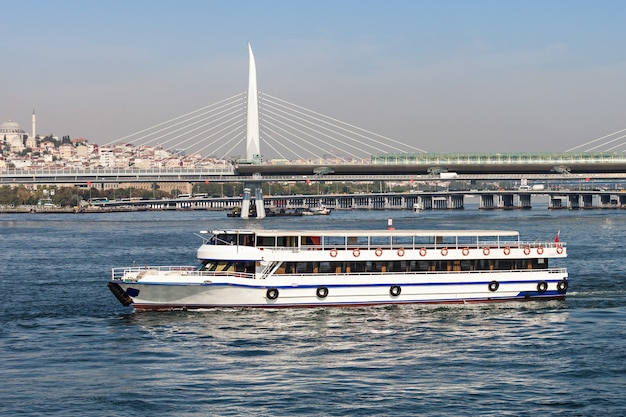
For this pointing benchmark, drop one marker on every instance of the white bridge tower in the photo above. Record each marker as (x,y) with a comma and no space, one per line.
(253,147)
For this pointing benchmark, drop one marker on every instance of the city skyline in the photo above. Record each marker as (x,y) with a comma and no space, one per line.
(447,76)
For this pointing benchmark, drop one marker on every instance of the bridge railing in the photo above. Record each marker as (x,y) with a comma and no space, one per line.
(107,172)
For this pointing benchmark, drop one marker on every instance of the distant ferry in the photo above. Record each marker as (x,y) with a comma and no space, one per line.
(317,211)
(319,268)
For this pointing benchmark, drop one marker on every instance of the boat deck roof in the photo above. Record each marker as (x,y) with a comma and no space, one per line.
(361,232)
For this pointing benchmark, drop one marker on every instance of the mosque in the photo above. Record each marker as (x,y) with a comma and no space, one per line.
(16,138)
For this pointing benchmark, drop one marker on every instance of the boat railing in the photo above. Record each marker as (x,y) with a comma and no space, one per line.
(428,246)
(402,273)
(137,272)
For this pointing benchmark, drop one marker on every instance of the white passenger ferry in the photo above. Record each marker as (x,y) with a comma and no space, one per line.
(316,268)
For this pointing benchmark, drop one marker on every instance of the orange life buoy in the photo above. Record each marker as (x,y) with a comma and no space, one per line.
(444,251)
(423,252)
(378,252)
(356,253)
(507,250)
(486,251)
(540,250)
(465,251)
(526,250)
(401,252)
(333,252)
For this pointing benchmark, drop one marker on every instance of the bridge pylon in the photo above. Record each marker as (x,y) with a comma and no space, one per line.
(253,152)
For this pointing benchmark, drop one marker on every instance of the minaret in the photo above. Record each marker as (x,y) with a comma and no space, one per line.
(34,124)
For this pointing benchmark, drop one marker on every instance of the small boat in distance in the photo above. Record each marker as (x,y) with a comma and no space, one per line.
(273,212)
(321,210)
(320,268)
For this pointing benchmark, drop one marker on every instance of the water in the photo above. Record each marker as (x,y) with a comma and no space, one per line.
(69,348)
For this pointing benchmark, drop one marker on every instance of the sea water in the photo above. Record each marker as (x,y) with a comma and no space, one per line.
(68,347)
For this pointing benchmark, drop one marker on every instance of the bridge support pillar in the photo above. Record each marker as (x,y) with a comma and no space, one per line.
(524,201)
(456,202)
(259,207)
(487,202)
(574,201)
(556,202)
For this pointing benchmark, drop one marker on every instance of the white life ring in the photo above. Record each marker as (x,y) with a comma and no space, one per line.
(333,252)
(444,251)
(507,250)
(423,252)
(527,250)
(559,249)
(356,253)
(465,251)
(378,252)
(486,250)
(540,250)
(401,252)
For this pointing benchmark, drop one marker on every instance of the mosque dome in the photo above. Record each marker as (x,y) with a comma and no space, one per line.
(11,127)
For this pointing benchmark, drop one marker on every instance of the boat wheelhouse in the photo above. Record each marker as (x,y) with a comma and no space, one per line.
(308,268)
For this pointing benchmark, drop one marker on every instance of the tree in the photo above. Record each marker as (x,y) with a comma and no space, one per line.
(8,196)
(24,196)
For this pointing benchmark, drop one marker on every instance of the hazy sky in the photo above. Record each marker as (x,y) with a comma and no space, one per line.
(443,75)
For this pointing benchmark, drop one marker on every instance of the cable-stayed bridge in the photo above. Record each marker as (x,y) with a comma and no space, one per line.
(234,128)
(296,135)
(306,144)
(288,132)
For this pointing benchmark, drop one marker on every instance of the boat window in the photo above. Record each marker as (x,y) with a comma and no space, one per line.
(225,266)
(466,265)
(423,241)
(245,267)
(466,240)
(355,267)
(380,241)
(406,241)
(326,267)
(420,265)
(445,240)
(208,266)
(334,241)
(225,239)
(287,241)
(265,241)
(377,266)
(311,241)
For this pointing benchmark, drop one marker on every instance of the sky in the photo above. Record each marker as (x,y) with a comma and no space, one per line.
(441,75)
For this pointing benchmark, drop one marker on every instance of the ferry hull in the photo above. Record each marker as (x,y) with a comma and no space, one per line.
(168,296)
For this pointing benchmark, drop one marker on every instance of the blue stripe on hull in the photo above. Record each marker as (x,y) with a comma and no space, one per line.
(288,286)
(523,296)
